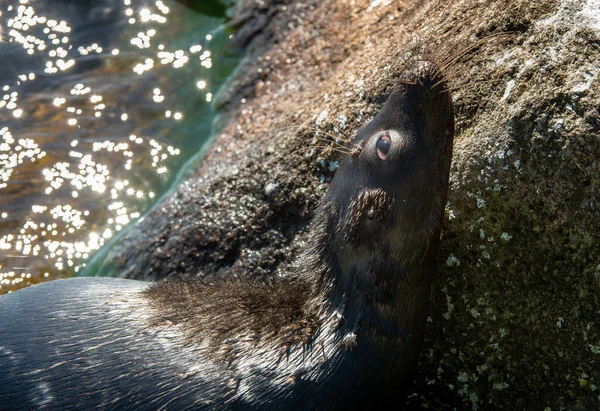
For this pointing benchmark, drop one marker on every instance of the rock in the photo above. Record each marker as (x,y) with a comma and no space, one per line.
(270,188)
(515,322)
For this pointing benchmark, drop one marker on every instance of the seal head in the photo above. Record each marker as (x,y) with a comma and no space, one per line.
(377,233)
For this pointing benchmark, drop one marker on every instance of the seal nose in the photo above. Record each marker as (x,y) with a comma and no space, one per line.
(427,89)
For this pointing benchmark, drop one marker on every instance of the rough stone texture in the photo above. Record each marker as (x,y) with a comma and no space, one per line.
(515,323)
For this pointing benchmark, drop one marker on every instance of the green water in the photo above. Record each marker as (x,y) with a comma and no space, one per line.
(102,103)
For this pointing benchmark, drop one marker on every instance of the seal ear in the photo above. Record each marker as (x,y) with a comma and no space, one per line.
(369,217)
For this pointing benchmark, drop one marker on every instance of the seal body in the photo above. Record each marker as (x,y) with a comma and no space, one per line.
(343,330)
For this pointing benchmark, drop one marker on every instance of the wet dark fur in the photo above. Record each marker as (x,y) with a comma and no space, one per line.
(220,314)
(342,330)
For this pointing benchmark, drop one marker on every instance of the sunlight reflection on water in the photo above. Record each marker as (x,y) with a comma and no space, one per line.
(100,103)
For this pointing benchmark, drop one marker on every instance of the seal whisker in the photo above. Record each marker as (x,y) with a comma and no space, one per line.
(337,149)
(452,56)
(335,138)
(470,86)
(344,133)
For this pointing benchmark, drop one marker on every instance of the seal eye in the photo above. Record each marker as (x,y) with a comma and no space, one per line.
(383,145)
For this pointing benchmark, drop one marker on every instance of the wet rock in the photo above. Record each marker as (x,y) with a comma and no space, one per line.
(517,299)
(270,188)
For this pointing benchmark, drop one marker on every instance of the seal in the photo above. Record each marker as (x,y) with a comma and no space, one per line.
(342,330)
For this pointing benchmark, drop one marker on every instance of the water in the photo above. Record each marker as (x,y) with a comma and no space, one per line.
(101,102)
